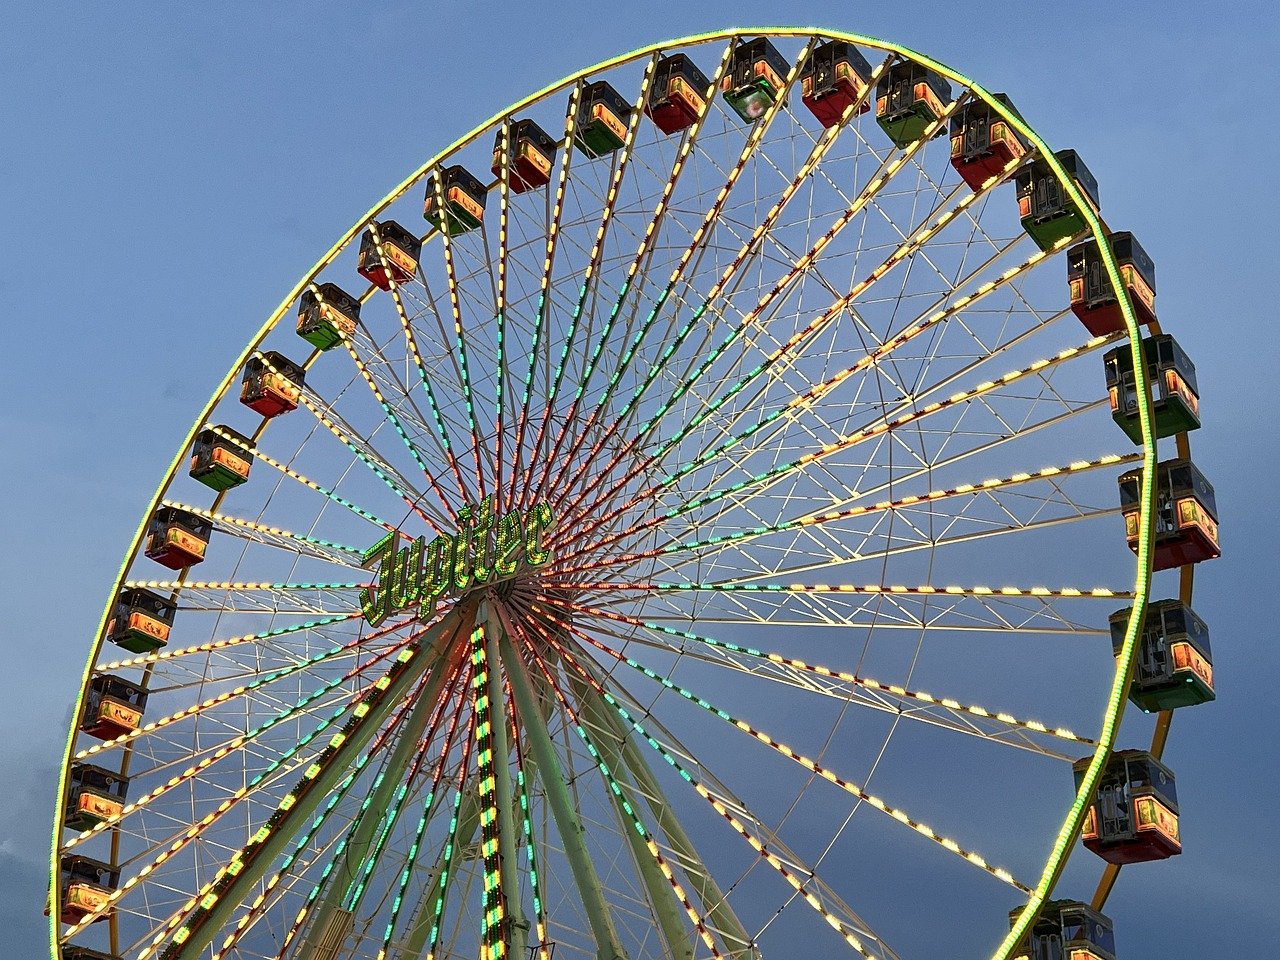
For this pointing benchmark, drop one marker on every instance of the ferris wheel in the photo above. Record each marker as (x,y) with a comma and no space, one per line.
(709,510)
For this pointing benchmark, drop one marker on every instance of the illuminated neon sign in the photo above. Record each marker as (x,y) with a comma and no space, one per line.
(486,549)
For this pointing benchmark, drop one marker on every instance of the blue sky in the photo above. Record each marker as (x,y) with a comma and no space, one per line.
(168,177)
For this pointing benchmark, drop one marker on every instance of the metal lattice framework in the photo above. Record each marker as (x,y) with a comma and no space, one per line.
(818,630)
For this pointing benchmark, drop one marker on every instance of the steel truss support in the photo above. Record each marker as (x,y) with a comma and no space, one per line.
(716,908)
(330,916)
(568,825)
(517,925)
(340,765)
(662,899)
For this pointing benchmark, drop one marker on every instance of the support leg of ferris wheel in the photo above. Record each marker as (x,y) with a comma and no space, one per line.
(568,825)
(330,920)
(517,925)
(341,763)
(665,907)
(414,946)
(715,906)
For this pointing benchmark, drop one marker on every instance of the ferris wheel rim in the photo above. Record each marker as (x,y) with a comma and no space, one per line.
(1063,845)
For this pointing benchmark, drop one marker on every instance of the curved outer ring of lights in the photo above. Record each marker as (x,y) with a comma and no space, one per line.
(1064,842)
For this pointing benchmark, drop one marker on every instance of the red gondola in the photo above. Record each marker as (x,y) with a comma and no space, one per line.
(113,708)
(1186,514)
(983,143)
(1134,814)
(834,78)
(272,384)
(532,154)
(86,886)
(1094,300)
(678,94)
(400,249)
(177,538)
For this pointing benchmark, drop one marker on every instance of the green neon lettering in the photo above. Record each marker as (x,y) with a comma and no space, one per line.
(485,549)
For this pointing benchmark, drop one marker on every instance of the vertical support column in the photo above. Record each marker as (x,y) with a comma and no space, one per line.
(468,823)
(516,929)
(667,910)
(716,907)
(330,920)
(567,822)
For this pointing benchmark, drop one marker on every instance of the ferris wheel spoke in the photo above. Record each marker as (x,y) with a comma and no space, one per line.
(769,847)
(500,306)
(810,518)
(426,304)
(282,598)
(257,453)
(589,284)
(365,452)
(521,479)
(806,762)
(923,323)
(751,246)
(758,484)
(185,835)
(212,753)
(176,653)
(748,586)
(910,624)
(366,374)
(637,274)
(188,932)
(1007,608)
(871,358)
(846,686)
(704,231)
(252,531)
(802,267)
(369,345)
(460,359)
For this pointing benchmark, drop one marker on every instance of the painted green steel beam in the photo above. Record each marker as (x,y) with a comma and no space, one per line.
(229,898)
(715,906)
(568,824)
(509,837)
(666,909)
(464,836)
(331,903)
